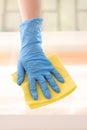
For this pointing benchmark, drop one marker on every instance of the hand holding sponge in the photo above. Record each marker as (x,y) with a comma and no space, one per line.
(65,88)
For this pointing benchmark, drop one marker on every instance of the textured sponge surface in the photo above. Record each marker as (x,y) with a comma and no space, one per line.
(65,88)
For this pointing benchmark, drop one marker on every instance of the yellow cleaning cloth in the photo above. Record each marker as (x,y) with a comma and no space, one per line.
(65,88)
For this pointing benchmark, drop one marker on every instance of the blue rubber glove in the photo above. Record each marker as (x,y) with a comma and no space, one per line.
(33,61)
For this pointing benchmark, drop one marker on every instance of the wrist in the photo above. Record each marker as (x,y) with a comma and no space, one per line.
(31,49)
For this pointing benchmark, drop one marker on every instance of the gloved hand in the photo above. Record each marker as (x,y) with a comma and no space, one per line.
(33,61)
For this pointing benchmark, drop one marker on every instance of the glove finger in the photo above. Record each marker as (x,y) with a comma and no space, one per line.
(57,75)
(20,73)
(33,89)
(52,82)
(44,87)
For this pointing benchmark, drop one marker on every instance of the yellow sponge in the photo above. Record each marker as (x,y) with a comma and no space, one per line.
(65,88)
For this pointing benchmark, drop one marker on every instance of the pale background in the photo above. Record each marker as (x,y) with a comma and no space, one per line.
(59,15)
(64,32)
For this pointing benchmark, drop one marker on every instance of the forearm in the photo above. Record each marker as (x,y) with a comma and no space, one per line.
(30,9)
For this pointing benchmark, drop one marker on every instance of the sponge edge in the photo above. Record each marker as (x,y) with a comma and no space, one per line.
(65,88)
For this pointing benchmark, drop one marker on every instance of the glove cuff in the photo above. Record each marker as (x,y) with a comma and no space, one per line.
(30,31)
(36,22)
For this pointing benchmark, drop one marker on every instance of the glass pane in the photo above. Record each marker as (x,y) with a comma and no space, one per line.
(50,21)
(82,4)
(12,21)
(49,4)
(0,23)
(67,15)
(12,5)
(1,6)
(82,21)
